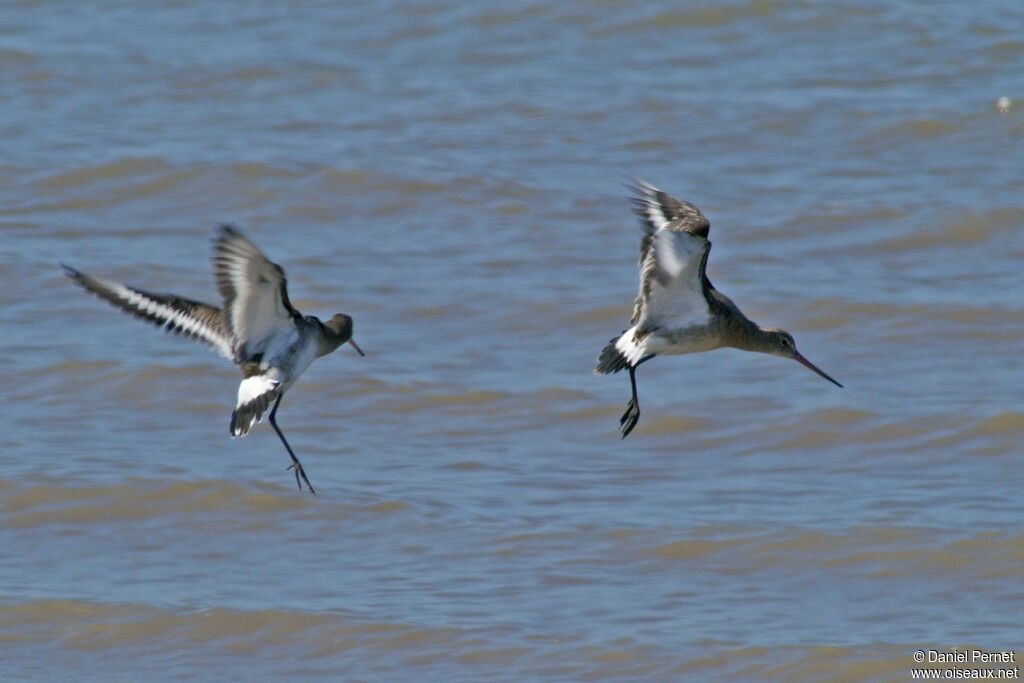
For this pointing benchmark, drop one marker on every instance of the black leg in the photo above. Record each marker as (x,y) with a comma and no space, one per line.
(296,465)
(632,414)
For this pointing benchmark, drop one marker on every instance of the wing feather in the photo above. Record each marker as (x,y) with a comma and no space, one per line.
(192,319)
(673,252)
(255,293)
(659,210)
(675,289)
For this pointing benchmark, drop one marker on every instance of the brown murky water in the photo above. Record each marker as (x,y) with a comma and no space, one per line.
(451,175)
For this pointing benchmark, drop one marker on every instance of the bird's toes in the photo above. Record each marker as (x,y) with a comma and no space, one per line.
(298,482)
(299,472)
(630,410)
(629,420)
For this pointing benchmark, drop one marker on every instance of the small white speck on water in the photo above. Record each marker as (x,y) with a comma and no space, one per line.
(1003,104)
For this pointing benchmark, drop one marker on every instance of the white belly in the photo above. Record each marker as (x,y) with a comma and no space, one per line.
(689,343)
(694,339)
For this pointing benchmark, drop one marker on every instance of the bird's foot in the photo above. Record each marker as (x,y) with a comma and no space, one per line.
(297,466)
(629,418)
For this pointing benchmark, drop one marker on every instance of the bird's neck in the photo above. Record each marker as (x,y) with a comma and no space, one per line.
(748,336)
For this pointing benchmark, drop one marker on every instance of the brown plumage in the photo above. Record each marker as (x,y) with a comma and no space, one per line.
(678,310)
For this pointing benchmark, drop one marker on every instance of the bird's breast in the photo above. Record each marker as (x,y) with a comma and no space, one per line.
(290,355)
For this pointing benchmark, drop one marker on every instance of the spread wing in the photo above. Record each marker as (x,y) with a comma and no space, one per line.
(255,292)
(673,255)
(193,319)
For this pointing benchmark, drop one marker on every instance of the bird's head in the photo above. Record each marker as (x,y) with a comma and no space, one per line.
(780,343)
(339,330)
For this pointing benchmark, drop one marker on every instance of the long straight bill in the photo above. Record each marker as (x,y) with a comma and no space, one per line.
(812,366)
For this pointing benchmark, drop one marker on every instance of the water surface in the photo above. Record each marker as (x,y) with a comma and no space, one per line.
(452,176)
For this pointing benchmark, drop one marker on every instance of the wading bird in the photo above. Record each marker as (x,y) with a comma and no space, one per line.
(678,310)
(257,328)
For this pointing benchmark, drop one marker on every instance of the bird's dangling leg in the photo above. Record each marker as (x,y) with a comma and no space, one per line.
(632,414)
(296,465)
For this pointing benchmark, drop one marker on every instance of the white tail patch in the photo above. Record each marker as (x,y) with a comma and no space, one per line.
(254,396)
(629,348)
(254,387)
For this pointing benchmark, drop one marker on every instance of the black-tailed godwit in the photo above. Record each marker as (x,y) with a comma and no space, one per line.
(257,328)
(678,310)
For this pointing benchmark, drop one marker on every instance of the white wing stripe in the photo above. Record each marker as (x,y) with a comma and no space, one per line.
(187,323)
(651,208)
(655,216)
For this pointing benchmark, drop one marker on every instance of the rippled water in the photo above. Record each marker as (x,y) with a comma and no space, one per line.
(452,175)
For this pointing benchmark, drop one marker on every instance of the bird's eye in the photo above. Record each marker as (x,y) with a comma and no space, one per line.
(784,341)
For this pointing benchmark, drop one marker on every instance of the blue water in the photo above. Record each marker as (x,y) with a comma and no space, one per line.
(453,176)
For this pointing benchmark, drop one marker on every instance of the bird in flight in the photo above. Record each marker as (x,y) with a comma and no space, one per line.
(678,310)
(257,328)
